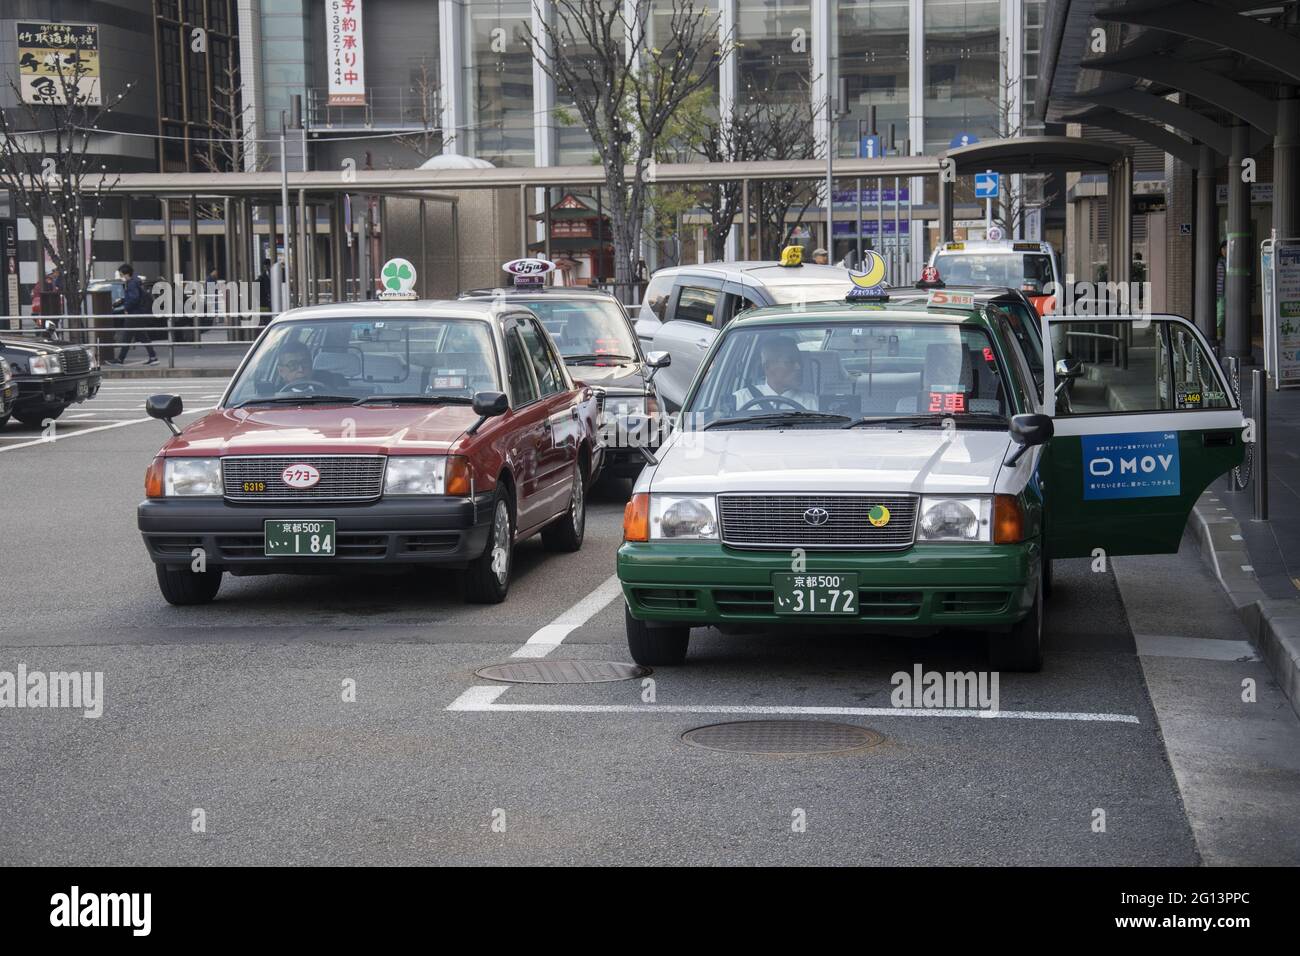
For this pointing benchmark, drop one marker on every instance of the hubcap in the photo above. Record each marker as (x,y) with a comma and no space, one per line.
(501,542)
(577,511)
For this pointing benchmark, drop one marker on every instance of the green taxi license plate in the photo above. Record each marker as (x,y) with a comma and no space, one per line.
(299,539)
(815,593)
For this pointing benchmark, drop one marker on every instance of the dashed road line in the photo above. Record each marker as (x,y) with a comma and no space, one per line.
(548,638)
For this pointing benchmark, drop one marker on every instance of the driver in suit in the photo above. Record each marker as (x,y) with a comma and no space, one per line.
(294,363)
(782,378)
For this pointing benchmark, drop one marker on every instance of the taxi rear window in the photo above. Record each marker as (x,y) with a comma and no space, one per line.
(1011,269)
(910,370)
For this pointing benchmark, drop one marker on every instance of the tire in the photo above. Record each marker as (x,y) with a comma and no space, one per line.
(487,579)
(4,419)
(35,417)
(1022,648)
(655,646)
(566,533)
(181,586)
(1047,577)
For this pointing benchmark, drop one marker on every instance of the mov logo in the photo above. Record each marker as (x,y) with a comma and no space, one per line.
(1133,465)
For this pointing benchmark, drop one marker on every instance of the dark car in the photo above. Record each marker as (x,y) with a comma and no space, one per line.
(8,392)
(50,377)
(597,340)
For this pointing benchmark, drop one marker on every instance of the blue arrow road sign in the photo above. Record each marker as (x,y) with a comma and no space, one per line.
(986,185)
(869,148)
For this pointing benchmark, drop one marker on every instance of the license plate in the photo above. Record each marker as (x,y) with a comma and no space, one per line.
(299,539)
(83,389)
(815,593)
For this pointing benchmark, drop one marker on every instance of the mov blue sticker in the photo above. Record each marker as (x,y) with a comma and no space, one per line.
(1131,465)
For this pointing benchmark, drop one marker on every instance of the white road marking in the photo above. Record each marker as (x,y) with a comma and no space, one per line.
(548,638)
(84,431)
(482,699)
(1235,537)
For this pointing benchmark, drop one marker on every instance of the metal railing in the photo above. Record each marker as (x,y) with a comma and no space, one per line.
(386,107)
(182,330)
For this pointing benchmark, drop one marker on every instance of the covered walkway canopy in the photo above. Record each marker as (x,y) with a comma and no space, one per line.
(1036,154)
(1211,84)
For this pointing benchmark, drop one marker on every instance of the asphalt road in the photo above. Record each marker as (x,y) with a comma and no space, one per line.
(237,709)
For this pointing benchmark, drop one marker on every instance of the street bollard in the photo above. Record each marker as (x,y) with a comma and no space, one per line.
(1259,411)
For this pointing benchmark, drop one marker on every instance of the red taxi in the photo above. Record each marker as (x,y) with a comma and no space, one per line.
(366,435)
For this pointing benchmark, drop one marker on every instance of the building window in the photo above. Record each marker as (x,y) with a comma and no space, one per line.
(962,70)
(498,82)
(873,61)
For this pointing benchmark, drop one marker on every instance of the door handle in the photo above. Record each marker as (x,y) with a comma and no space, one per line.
(701,343)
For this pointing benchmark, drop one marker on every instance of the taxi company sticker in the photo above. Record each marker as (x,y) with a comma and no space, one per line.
(1131,465)
(300,475)
(878,516)
(1188,396)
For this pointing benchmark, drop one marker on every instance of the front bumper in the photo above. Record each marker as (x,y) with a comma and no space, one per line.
(935,585)
(450,532)
(57,389)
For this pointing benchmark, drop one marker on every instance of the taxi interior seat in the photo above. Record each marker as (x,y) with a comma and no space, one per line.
(946,364)
(474,364)
(384,367)
(343,361)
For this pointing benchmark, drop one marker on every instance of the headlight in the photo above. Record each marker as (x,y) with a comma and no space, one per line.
(621,406)
(954,519)
(415,476)
(192,476)
(46,365)
(677,517)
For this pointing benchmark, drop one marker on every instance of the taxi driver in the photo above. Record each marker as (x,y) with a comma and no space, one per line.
(782,363)
(293,364)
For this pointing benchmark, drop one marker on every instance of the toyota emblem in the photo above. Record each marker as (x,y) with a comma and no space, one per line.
(816,517)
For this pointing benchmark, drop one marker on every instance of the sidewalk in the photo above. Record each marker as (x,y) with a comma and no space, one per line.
(216,357)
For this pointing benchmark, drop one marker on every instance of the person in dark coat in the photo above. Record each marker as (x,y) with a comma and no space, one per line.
(133,304)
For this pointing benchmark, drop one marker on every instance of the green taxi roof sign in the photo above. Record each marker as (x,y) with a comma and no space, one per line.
(397,280)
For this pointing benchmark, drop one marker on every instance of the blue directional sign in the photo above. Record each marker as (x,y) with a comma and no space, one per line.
(870,148)
(963,139)
(987,185)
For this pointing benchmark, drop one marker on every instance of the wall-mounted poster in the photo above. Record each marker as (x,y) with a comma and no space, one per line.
(347,64)
(54,55)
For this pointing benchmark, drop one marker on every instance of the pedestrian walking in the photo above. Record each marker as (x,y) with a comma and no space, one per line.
(132,304)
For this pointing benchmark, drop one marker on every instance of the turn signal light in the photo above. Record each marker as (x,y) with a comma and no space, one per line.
(1008,520)
(153,478)
(636,518)
(458,477)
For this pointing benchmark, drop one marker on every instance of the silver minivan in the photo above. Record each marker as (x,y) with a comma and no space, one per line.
(684,308)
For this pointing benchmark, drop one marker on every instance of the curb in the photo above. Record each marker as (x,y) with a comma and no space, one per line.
(156,371)
(1273,625)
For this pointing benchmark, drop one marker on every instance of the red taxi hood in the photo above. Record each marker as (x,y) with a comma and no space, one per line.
(324,429)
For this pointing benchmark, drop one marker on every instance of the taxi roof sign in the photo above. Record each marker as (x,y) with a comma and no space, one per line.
(791,256)
(869,285)
(944,297)
(530,272)
(397,279)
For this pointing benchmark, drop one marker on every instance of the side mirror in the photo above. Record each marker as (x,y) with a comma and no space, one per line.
(488,405)
(1069,368)
(165,407)
(491,404)
(1028,431)
(654,361)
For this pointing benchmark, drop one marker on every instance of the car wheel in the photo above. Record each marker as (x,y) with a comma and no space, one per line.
(4,420)
(487,579)
(182,586)
(1047,577)
(35,417)
(566,533)
(655,646)
(1021,649)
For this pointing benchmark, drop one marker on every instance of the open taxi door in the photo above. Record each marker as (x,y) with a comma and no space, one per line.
(1144,421)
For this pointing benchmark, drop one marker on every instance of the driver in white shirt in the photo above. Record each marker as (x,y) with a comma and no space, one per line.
(783,379)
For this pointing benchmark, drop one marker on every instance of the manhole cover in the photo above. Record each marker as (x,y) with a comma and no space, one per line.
(783,737)
(561,672)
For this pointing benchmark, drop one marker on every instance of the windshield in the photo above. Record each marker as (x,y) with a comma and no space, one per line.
(424,358)
(586,329)
(908,372)
(1012,269)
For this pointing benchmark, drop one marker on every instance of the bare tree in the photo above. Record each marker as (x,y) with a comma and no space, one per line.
(429,140)
(1021,194)
(626,86)
(45,159)
(233,123)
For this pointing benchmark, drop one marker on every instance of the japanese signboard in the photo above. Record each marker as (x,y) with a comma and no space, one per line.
(347,67)
(55,56)
(1280,264)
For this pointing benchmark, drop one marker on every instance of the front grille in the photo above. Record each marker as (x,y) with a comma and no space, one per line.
(973,602)
(777,521)
(75,361)
(342,478)
(666,599)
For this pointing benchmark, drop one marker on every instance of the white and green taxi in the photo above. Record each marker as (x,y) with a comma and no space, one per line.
(896,465)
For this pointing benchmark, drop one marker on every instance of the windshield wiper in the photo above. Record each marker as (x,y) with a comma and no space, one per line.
(417,399)
(778,418)
(298,400)
(924,419)
(585,357)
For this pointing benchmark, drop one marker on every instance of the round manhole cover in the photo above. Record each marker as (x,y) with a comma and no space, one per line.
(783,737)
(561,672)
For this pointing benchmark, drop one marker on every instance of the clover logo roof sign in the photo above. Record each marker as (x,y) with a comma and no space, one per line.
(397,279)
